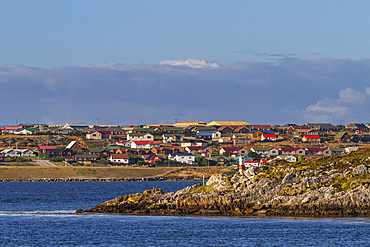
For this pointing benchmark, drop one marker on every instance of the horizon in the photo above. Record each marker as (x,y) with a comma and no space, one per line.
(143,62)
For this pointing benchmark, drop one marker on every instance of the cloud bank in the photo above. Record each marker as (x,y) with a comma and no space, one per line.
(294,91)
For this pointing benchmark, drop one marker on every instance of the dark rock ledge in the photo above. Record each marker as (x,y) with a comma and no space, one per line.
(258,192)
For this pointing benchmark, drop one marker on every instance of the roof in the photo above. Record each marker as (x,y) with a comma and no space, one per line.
(196,147)
(204,134)
(260,126)
(311,137)
(288,149)
(269,135)
(71,144)
(145,142)
(181,154)
(230,123)
(337,149)
(46,147)
(139,134)
(340,135)
(185,124)
(262,149)
(316,149)
(232,149)
(102,132)
(119,156)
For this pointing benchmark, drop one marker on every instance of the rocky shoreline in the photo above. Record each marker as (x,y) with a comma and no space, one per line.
(330,186)
(92,179)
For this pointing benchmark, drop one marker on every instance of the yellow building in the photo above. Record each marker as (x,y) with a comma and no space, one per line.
(229,123)
(191,123)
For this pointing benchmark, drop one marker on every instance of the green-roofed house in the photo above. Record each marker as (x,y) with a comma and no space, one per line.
(143,130)
(337,150)
(265,151)
(342,137)
(173,130)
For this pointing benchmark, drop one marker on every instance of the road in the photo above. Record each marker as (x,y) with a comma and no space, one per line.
(43,163)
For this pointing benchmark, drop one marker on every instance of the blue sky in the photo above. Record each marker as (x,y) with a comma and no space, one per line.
(48,33)
(131,62)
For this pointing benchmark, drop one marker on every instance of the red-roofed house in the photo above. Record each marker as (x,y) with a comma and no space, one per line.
(42,149)
(144,144)
(150,158)
(268,137)
(311,138)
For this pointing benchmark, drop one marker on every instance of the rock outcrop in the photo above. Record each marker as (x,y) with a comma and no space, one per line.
(325,187)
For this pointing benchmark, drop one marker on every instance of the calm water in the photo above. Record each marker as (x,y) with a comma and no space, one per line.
(42,214)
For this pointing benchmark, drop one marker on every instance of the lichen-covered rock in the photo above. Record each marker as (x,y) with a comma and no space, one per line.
(360,170)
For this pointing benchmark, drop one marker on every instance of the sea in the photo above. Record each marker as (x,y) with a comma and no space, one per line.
(43,214)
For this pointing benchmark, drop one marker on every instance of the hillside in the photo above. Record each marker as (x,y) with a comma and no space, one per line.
(337,185)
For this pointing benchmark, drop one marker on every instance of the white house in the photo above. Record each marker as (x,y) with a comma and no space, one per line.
(23,132)
(119,158)
(185,158)
(17,153)
(140,137)
(288,158)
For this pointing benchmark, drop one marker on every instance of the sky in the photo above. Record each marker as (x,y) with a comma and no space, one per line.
(140,62)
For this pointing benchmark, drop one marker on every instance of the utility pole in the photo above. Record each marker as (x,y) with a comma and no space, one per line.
(97,121)
(176,120)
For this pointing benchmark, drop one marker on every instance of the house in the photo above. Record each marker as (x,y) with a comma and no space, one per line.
(203,129)
(119,159)
(189,143)
(123,143)
(226,129)
(169,138)
(255,134)
(243,129)
(357,126)
(165,150)
(133,151)
(230,123)
(204,135)
(10,129)
(86,158)
(234,151)
(143,130)
(318,151)
(311,138)
(2,158)
(113,148)
(292,151)
(75,146)
(203,150)
(150,158)
(63,152)
(291,129)
(140,137)
(241,139)
(98,151)
(76,126)
(261,127)
(337,150)
(288,158)
(268,137)
(300,132)
(323,127)
(25,132)
(98,135)
(17,153)
(173,130)
(342,137)
(185,158)
(42,149)
(144,144)
(191,123)
(265,151)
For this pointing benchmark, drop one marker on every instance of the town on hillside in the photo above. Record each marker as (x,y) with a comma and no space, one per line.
(193,143)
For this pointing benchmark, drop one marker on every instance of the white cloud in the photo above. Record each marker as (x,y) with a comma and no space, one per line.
(367,91)
(351,96)
(327,106)
(191,63)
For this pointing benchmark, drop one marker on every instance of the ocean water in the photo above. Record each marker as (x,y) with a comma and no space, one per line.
(42,214)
